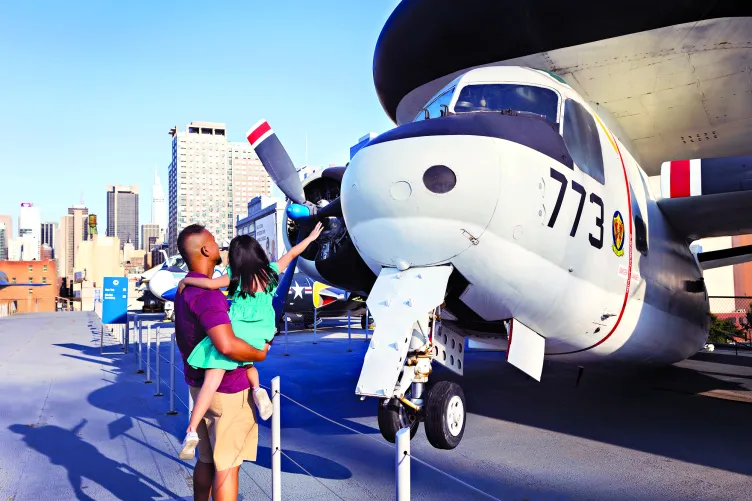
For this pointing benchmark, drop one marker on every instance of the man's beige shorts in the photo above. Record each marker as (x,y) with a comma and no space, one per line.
(228,434)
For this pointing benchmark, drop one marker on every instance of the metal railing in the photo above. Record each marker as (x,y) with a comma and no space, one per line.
(401,447)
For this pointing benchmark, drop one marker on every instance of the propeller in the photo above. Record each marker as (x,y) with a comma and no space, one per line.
(309,212)
(276,161)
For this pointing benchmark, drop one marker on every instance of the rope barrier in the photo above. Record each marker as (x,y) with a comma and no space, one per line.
(475,489)
(331,420)
(309,474)
(325,418)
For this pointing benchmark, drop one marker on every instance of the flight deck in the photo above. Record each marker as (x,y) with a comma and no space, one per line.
(79,424)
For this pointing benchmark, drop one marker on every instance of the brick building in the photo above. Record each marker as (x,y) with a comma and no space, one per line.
(30,299)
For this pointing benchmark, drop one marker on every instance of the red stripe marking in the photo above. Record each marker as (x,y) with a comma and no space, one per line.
(629,274)
(680,177)
(258,132)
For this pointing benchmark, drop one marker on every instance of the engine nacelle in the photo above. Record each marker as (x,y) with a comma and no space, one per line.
(332,259)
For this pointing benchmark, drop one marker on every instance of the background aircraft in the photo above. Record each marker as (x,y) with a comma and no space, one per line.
(511,205)
(302,296)
(4,282)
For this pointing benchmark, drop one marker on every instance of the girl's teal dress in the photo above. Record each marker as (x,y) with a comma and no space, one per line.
(252,321)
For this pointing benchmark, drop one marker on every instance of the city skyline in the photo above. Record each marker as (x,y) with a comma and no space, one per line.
(112,129)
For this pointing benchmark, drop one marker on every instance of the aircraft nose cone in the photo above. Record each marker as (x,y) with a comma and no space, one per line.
(414,201)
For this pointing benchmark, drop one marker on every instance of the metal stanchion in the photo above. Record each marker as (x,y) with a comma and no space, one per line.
(135,328)
(140,352)
(349,334)
(286,334)
(367,322)
(315,321)
(402,464)
(101,340)
(276,446)
(158,393)
(127,333)
(172,410)
(148,355)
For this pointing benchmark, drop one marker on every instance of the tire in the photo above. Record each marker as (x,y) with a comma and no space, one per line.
(363,322)
(393,418)
(445,415)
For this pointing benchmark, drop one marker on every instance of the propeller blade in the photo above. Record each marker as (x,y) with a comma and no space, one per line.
(333,209)
(276,161)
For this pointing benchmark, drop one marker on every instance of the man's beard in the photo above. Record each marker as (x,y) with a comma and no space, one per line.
(218,261)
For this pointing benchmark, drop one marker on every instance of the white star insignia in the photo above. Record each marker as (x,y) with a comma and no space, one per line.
(298,290)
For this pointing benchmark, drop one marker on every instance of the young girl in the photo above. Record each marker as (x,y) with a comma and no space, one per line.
(252,282)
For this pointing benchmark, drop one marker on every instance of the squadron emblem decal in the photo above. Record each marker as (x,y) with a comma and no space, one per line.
(617,230)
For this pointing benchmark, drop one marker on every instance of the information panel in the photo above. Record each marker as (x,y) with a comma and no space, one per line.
(115,300)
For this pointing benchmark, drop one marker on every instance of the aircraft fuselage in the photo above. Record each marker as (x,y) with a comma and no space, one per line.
(543,213)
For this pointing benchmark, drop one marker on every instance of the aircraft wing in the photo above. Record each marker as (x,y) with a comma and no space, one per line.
(3,285)
(708,197)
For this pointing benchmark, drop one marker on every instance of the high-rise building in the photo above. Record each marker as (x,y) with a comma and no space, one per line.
(200,184)
(211,181)
(29,220)
(149,231)
(3,242)
(45,252)
(158,208)
(249,178)
(29,224)
(7,223)
(122,214)
(73,229)
(24,248)
(48,234)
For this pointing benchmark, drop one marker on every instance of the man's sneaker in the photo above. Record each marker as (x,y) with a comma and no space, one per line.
(189,446)
(263,403)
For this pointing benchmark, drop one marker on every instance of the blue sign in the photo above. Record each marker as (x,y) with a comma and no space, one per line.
(115,301)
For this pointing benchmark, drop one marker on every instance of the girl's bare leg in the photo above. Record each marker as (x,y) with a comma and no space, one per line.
(253,377)
(260,397)
(212,378)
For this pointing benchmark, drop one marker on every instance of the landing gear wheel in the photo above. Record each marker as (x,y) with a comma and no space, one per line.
(445,415)
(394,417)
(363,322)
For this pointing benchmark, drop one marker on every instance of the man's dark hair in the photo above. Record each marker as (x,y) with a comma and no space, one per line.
(188,231)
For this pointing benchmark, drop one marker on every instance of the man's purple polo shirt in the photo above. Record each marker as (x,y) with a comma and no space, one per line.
(197,311)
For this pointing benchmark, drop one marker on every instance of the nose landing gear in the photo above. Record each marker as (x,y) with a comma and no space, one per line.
(443,412)
(408,338)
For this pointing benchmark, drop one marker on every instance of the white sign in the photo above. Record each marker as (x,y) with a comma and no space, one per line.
(266,234)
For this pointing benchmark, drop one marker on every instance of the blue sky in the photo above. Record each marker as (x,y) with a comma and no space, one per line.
(90,89)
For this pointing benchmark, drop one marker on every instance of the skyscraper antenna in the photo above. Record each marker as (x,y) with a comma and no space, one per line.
(306,148)
(82,198)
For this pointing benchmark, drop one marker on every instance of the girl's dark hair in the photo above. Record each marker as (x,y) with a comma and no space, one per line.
(249,267)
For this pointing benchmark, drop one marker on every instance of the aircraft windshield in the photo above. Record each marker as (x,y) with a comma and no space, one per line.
(525,99)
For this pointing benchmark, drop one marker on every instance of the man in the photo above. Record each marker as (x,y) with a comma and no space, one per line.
(228,434)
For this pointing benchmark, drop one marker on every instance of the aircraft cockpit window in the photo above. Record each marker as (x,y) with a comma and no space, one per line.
(523,99)
(436,107)
(582,140)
